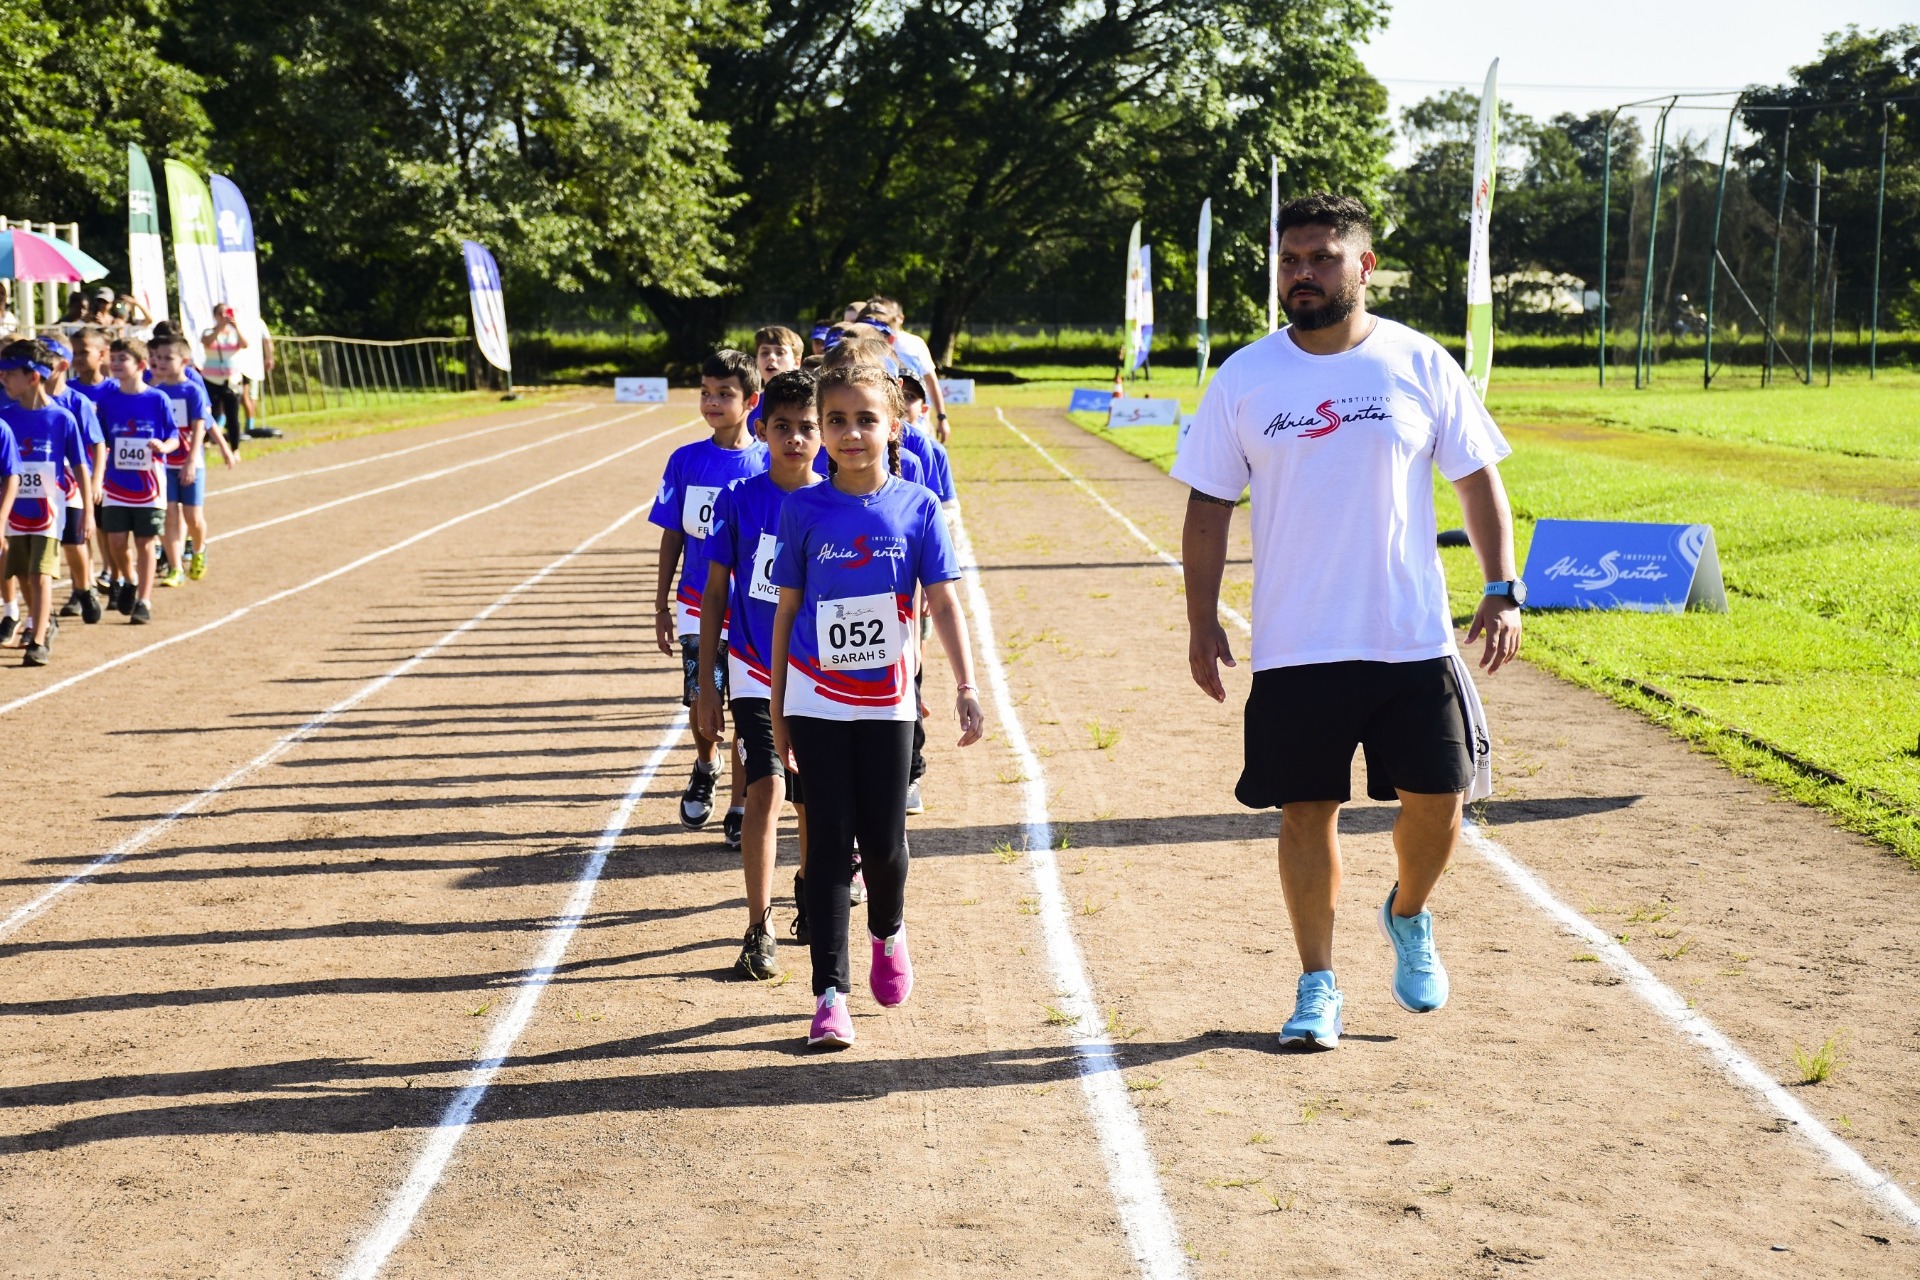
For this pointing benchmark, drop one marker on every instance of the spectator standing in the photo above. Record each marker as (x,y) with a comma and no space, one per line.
(221,343)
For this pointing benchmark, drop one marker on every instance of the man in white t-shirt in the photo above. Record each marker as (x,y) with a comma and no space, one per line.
(1336,422)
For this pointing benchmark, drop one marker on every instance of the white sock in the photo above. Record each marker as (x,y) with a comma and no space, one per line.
(707,766)
(13,609)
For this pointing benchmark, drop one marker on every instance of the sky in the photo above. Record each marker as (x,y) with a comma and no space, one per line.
(1559,56)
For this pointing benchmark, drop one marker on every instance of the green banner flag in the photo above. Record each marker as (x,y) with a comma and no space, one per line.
(196,248)
(146,260)
(1486,165)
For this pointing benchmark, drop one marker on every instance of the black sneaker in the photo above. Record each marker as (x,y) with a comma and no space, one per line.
(732,825)
(103,583)
(36,655)
(696,802)
(7,627)
(71,609)
(123,596)
(89,608)
(758,959)
(141,615)
(798,929)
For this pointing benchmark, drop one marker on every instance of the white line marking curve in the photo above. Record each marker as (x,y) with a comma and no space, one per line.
(431,1163)
(1658,996)
(70,681)
(1132,1175)
(155,829)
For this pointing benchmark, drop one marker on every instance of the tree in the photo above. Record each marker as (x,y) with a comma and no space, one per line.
(372,136)
(81,80)
(939,147)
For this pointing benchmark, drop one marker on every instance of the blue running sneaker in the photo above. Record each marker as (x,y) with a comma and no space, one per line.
(1316,1012)
(1419,979)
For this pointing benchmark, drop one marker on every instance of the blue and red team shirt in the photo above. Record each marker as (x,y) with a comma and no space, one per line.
(51,453)
(9,454)
(911,469)
(193,376)
(856,561)
(695,476)
(188,403)
(132,422)
(741,539)
(84,413)
(92,390)
(933,461)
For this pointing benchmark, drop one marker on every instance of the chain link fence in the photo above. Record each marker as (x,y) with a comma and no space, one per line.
(309,374)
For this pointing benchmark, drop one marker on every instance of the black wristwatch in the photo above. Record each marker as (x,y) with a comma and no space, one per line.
(1514,589)
(943,417)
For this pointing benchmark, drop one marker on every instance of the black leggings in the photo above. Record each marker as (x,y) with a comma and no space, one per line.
(223,402)
(856,772)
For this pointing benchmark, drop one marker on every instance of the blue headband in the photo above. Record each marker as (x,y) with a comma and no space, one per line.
(58,348)
(19,363)
(820,332)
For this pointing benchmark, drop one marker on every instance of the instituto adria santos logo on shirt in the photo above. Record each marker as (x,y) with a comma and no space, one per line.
(865,550)
(1328,417)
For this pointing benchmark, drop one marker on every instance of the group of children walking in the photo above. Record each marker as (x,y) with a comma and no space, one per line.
(810,540)
(102,473)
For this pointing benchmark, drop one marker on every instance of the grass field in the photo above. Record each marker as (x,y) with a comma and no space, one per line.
(414,409)
(1812,681)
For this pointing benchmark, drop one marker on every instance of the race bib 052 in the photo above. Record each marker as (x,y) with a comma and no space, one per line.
(861,632)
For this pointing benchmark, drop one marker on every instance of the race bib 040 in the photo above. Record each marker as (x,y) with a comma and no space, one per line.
(132,455)
(696,515)
(762,588)
(861,632)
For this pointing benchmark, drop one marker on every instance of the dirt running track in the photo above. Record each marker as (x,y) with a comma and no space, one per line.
(225,1051)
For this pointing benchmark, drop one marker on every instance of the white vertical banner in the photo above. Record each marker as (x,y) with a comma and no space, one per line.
(1143,346)
(1273,245)
(1203,340)
(489,307)
(1486,166)
(1130,340)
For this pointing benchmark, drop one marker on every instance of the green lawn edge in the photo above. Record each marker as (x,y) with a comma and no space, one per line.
(1789,767)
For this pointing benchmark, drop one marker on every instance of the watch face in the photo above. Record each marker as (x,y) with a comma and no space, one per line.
(1519,592)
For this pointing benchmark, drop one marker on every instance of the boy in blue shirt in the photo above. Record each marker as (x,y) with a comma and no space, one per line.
(185,541)
(52,457)
(695,475)
(740,549)
(82,603)
(138,423)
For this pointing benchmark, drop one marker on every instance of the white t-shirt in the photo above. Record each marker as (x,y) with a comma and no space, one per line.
(914,353)
(1338,451)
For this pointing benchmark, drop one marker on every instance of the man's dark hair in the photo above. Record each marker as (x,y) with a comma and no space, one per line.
(1346,215)
(785,390)
(728,363)
(163,329)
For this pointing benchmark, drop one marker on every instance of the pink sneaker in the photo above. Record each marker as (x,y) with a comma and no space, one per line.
(892,974)
(832,1024)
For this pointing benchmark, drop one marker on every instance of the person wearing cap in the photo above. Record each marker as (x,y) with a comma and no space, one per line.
(100,309)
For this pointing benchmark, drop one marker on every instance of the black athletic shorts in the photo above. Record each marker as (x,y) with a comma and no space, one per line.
(753,726)
(690,670)
(73,532)
(1304,722)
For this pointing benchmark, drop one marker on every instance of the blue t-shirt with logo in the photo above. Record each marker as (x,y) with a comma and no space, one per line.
(132,421)
(189,404)
(51,454)
(742,539)
(856,560)
(695,476)
(933,461)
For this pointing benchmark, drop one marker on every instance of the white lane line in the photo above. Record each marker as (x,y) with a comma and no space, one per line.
(80,677)
(394,453)
(431,1163)
(1166,557)
(1694,1025)
(1662,999)
(1132,1175)
(154,830)
(376,491)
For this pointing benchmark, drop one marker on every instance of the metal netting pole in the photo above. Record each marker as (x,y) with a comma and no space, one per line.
(1713,262)
(1813,275)
(1640,360)
(1779,225)
(1833,294)
(388,358)
(1606,212)
(1879,226)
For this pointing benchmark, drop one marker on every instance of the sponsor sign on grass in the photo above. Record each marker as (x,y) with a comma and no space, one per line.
(639,390)
(1609,564)
(957,390)
(1086,400)
(1140,411)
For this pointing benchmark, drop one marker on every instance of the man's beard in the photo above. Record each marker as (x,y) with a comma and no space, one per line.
(1331,310)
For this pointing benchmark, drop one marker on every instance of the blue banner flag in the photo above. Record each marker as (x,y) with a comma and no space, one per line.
(1085,401)
(489,309)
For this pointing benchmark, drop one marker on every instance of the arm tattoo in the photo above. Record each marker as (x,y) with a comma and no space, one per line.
(1197,496)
